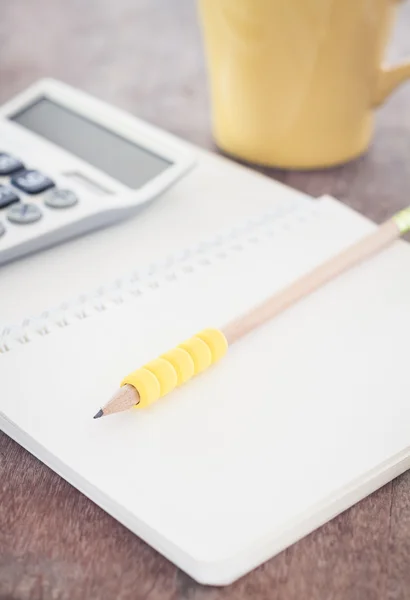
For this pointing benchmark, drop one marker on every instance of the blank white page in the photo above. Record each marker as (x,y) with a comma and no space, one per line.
(240,462)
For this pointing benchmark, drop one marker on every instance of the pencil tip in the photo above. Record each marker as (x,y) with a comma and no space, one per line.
(99,414)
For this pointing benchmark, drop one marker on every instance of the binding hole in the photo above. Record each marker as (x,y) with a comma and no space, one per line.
(118,300)
(100,307)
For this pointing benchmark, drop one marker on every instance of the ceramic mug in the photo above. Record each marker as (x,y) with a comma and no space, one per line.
(294,83)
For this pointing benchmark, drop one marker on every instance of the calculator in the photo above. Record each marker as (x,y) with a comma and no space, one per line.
(70,163)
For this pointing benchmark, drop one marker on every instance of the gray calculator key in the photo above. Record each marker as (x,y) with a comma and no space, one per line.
(61,199)
(2,229)
(22,214)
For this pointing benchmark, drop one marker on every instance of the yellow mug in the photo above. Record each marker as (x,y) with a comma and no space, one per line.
(294,83)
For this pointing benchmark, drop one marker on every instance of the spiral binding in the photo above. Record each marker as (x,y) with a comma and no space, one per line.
(150,279)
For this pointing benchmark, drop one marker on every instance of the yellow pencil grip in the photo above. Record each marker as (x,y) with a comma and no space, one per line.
(161,375)
(182,363)
(200,353)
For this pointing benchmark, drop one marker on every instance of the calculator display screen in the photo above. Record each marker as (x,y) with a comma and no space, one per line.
(117,156)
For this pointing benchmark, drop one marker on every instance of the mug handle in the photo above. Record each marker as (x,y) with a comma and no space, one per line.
(390,79)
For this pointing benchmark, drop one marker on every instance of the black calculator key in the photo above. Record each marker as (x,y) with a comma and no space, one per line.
(32,182)
(7,196)
(23,214)
(9,164)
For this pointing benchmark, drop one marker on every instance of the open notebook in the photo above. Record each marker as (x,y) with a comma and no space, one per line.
(300,419)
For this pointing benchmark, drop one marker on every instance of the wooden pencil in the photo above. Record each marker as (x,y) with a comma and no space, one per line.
(154,380)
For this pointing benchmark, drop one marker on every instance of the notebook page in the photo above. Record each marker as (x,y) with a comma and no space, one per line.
(294,412)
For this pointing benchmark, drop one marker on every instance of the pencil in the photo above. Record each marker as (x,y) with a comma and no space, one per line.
(143,387)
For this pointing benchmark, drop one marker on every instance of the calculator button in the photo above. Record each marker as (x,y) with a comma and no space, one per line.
(32,182)
(7,196)
(23,214)
(9,164)
(2,229)
(61,199)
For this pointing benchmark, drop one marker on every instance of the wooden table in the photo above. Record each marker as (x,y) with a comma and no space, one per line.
(146,56)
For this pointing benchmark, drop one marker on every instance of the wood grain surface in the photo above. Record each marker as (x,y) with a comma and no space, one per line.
(146,56)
